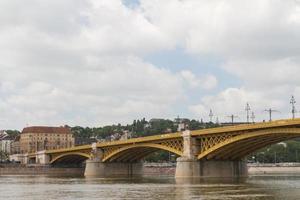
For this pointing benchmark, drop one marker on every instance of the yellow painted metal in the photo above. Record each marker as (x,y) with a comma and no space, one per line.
(214,142)
(233,149)
(146,145)
(237,150)
(255,134)
(244,151)
(70,154)
(76,148)
(147,139)
(248,127)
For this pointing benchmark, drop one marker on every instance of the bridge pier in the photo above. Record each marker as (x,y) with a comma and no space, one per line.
(95,167)
(210,169)
(223,169)
(188,166)
(106,169)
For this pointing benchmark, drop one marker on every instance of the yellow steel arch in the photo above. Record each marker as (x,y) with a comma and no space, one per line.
(147,145)
(256,134)
(70,154)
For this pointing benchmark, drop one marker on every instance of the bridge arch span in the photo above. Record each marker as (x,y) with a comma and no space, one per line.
(136,152)
(70,158)
(238,147)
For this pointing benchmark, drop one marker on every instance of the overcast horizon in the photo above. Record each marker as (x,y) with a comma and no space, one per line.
(101,62)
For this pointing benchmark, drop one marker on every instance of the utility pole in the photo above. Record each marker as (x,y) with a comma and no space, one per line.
(210,115)
(247,111)
(232,118)
(293,102)
(253,117)
(270,111)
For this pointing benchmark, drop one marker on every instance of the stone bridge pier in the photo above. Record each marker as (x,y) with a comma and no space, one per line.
(95,167)
(188,166)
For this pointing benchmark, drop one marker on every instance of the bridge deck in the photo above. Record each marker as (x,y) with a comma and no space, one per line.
(199,133)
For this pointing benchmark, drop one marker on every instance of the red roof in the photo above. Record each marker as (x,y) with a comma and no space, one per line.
(47,129)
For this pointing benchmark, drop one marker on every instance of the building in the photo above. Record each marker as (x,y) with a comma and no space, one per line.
(3,134)
(15,146)
(38,138)
(6,144)
(126,135)
(182,123)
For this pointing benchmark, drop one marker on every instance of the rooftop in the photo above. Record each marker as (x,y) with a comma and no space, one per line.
(3,134)
(47,129)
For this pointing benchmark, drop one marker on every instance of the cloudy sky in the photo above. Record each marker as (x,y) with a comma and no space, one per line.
(97,62)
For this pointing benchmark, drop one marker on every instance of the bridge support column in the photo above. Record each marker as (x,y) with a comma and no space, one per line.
(42,158)
(223,169)
(103,169)
(96,168)
(188,165)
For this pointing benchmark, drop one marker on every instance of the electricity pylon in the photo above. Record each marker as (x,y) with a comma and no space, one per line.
(247,111)
(270,111)
(232,117)
(252,117)
(293,102)
(210,115)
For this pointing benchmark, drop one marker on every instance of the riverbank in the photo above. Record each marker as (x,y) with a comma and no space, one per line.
(278,168)
(40,170)
(168,169)
(150,169)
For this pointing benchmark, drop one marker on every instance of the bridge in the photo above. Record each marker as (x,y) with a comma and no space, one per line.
(214,152)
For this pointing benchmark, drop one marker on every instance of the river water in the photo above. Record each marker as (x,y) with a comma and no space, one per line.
(70,188)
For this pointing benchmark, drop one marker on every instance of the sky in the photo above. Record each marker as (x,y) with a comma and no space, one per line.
(99,62)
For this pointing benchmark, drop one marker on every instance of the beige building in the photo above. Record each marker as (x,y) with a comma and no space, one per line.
(38,138)
(6,144)
(15,146)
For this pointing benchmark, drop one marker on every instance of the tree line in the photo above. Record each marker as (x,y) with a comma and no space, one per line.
(139,128)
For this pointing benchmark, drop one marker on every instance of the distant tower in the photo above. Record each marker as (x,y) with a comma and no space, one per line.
(293,102)
(210,115)
(247,111)
(217,120)
(252,117)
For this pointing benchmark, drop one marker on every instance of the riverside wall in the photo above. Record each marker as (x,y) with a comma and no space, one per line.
(154,169)
(40,170)
(278,168)
(150,169)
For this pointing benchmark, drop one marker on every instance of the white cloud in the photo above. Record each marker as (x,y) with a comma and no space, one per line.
(232,101)
(129,88)
(256,41)
(77,62)
(81,61)
(206,81)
